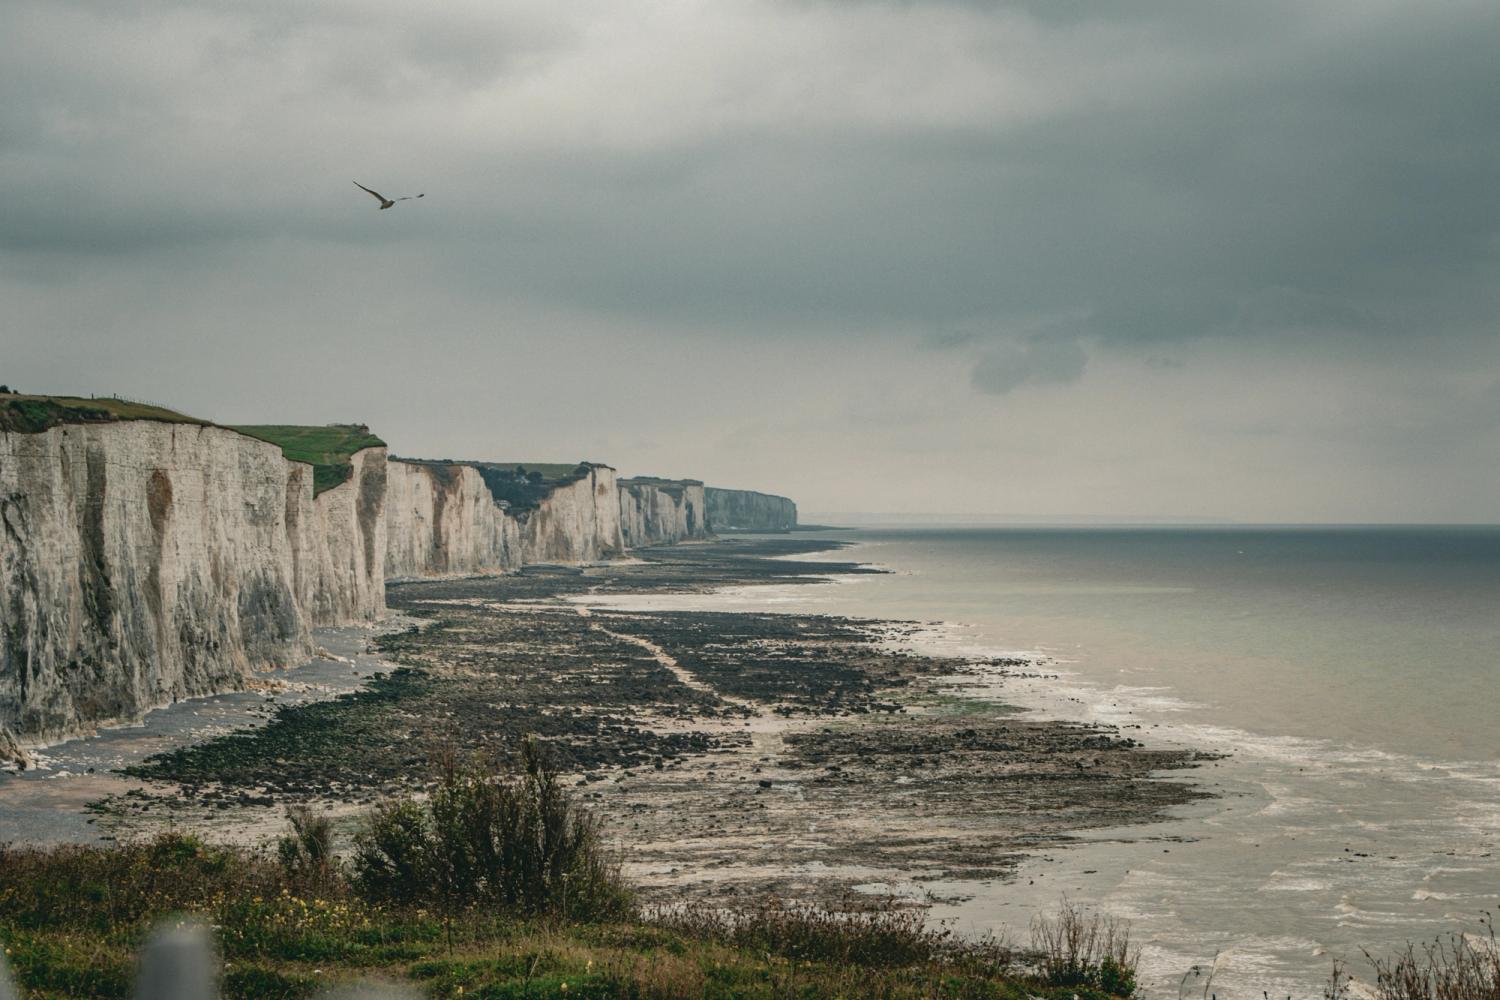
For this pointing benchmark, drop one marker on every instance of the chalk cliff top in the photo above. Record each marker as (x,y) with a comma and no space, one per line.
(519,485)
(327,449)
(29,414)
(659,481)
(554,471)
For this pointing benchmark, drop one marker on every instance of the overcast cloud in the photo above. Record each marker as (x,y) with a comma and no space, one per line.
(1045,258)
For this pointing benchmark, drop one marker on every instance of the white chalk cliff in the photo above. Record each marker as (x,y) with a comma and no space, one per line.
(441,519)
(661,511)
(146,561)
(143,562)
(747,510)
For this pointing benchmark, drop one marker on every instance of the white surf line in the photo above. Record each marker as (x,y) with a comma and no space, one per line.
(661,656)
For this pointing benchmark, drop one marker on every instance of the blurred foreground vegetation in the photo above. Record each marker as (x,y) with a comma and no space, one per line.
(498,884)
(489,887)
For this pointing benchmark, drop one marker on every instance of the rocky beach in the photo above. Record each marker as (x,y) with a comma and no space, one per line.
(729,755)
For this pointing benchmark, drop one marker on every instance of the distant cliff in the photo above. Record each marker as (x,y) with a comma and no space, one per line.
(578,521)
(448,518)
(662,511)
(746,510)
(442,519)
(146,561)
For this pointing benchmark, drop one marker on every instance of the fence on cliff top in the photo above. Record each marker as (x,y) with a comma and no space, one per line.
(178,963)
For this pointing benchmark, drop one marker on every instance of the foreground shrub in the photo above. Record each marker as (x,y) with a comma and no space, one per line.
(862,931)
(105,889)
(307,851)
(1080,948)
(1458,967)
(517,844)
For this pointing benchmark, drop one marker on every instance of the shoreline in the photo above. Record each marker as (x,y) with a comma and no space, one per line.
(1316,845)
(805,755)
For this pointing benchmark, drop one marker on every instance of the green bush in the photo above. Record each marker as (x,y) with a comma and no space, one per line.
(307,851)
(875,932)
(516,844)
(105,889)
(1079,948)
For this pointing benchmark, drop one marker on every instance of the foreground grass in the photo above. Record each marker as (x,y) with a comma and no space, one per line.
(72,919)
(326,449)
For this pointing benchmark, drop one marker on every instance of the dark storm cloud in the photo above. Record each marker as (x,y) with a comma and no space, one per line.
(1279,167)
(1040,192)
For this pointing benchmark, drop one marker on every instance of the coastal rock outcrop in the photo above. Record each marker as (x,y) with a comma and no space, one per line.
(747,510)
(347,544)
(661,511)
(578,521)
(143,562)
(447,518)
(442,519)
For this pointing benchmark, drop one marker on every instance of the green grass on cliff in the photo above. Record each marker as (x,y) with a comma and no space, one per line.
(33,414)
(524,485)
(327,449)
(551,471)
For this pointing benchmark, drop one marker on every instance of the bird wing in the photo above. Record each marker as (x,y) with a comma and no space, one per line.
(412,197)
(378,196)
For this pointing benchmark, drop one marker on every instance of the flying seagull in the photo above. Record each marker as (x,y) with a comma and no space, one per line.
(385,202)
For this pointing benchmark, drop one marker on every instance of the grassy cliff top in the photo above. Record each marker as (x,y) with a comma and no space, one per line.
(327,449)
(659,481)
(29,414)
(554,471)
(519,485)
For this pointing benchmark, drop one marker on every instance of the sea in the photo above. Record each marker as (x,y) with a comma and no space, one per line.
(1349,676)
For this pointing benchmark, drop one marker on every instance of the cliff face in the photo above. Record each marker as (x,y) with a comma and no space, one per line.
(144,562)
(441,518)
(746,510)
(661,511)
(579,521)
(348,545)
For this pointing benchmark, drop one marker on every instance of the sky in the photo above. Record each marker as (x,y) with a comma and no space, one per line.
(1146,260)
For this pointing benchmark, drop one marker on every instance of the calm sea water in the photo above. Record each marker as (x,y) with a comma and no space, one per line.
(1352,675)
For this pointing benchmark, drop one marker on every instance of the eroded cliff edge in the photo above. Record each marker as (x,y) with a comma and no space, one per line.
(145,561)
(662,511)
(148,557)
(454,518)
(442,519)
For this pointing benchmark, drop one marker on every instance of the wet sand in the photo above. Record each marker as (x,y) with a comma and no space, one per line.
(729,754)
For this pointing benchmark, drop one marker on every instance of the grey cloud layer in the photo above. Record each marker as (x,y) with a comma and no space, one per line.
(1174,173)
(1311,177)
